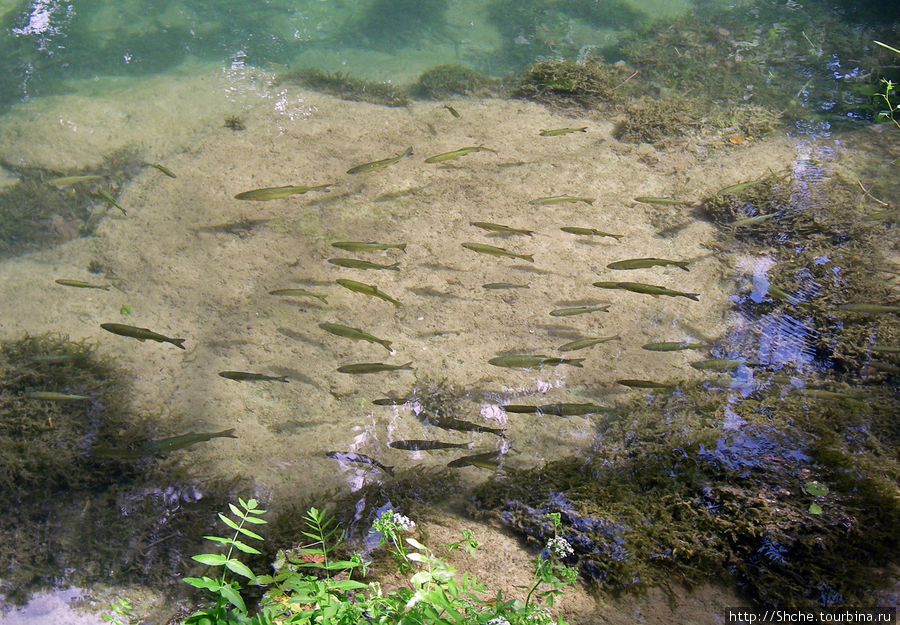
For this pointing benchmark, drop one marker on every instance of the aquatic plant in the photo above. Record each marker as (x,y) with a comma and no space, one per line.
(346,87)
(448,80)
(569,85)
(310,586)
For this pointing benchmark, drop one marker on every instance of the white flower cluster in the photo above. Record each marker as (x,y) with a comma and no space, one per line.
(540,616)
(404,522)
(497,621)
(561,547)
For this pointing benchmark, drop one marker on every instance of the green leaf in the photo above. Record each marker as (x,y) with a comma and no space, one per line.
(254,520)
(240,568)
(218,539)
(234,598)
(244,547)
(415,543)
(341,564)
(236,511)
(212,559)
(420,578)
(229,522)
(416,557)
(348,584)
(815,508)
(202,582)
(247,532)
(816,489)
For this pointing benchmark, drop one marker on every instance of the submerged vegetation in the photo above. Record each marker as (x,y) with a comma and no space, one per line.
(348,88)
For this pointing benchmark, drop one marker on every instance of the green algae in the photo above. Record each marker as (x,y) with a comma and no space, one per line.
(450,80)
(568,85)
(347,87)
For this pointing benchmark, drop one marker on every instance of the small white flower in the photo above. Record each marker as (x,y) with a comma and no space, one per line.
(498,621)
(561,547)
(404,522)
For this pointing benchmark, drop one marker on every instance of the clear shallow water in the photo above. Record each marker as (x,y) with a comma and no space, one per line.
(60,48)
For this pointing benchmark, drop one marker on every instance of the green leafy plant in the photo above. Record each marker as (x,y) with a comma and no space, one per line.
(229,606)
(550,571)
(122,610)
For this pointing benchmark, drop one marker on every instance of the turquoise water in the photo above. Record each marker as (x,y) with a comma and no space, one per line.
(191,259)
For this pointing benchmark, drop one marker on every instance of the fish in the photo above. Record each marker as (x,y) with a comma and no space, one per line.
(873,309)
(658,200)
(481,248)
(348,456)
(486,225)
(375,165)
(578,310)
(297,293)
(818,393)
(672,346)
(526,361)
(644,384)
(561,131)
(354,334)
(780,294)
(885,349)
(586,342)
(276,193)
(353,263)
(367,289)
(717,364)
(66,181)
(163,169)
(81,285)
(487,460)
(110,200)
(737,187)
(243,376)
(560,199)
(360,246)
(373,367)
(646,289)
(559,410)
(57,358)
(452,110)
(141,334)
(591,231)
(423,445)
(749,221)
(446,156)
(504,285)
(162,445)
(392,401)
(53,396)
(643,263)
(459,425)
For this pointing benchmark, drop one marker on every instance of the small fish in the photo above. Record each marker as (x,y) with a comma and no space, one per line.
(51,396)
(423,445)
(81,285)
(646,289)
(375,165)
(526,361)
(658,200)
(276,193)
(873,309)
(560,199)
(487,460)
(141,334)
(559,410)
(590,231)
(354,334)
(110,200)
(297,293)
(243,376)
(737,187)
(885,349)
(644,384)
(391,401)
(486,225)
(672,346)
(348,456)
(818,393)
(446,156)
(586,342)
(373,367)
(496,251)
(578,310)
(163,169)
(353,263)
(367,289)
(749,221)
(359,246)
(504,285)
(452,423)
(66,181)
(643,263)
(561,131)
(162,445)
(452,110)
(717,364)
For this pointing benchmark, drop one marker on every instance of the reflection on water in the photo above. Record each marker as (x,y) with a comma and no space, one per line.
(691,457)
